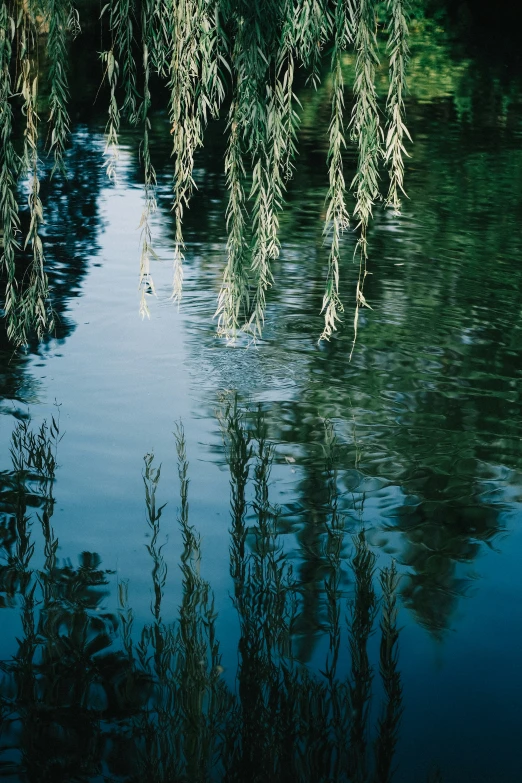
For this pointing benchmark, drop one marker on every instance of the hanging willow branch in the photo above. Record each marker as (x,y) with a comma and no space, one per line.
(272,170)
(337,218)
(233,300)
(34,309)
(58,13)
(396,127)
(196,92)
(367,134)
(9,171)
(313,29)
(201,50)
(122,23)
(146,283)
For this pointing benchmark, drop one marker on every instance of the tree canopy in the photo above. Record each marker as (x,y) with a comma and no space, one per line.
(242,59)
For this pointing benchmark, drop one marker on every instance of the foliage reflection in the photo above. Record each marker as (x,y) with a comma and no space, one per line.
(87,695)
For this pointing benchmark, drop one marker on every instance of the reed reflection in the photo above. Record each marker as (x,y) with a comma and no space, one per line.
(50,729)
(87,695)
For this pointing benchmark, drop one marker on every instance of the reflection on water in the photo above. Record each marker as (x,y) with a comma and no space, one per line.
(73,223)
(417,441)
(86,694)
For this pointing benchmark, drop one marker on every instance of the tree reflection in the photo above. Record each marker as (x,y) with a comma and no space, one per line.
(438,540)
(433,382)
(72,217)
(50,729)
(87,696)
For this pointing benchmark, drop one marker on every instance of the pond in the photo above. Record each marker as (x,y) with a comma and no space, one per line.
(268,562)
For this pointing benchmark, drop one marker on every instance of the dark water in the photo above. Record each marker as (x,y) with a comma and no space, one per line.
(245,630)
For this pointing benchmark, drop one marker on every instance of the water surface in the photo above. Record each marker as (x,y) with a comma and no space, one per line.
(308,474)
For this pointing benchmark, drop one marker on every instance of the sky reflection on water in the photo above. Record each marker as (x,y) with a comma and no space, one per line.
(427,421)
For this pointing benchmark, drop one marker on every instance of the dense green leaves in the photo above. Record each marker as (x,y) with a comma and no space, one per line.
(204,51)
(9,168)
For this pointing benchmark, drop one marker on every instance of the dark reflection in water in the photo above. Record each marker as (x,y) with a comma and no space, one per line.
(73,225)
(88,696)
(424,453)
(450,506)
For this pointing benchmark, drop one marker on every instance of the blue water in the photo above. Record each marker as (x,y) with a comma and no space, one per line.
(427,421)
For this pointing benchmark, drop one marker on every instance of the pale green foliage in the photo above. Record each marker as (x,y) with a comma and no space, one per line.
(113,124)
(34,311)
(396,129)
(337,218)
(365,125)
(147,251)
(9,167)
(262,131)
(366,133)
(233,301)
(312,33)
(196,91)
(122,22)
(58,16)
(202,49)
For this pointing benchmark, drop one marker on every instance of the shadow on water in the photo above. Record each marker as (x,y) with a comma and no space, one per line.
(87,695)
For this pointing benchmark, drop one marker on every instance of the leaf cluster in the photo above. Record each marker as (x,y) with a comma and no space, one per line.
(245,55)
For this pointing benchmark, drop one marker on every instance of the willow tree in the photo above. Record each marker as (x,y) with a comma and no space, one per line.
(239,57)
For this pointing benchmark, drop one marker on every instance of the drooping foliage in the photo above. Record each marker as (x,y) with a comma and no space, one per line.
(235,58)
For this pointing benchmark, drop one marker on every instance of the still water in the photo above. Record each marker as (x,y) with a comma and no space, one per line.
(201,556)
